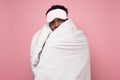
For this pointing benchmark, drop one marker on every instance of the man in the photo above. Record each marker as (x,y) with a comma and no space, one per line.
(59,51)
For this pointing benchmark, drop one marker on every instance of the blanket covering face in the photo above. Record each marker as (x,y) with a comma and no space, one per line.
(62,54)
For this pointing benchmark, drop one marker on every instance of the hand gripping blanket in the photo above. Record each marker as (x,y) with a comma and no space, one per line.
(62,54)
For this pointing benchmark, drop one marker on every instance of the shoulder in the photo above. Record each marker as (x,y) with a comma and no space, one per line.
(36,34)
(35,37)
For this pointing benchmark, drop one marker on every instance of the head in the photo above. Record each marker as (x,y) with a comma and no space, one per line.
(56,15)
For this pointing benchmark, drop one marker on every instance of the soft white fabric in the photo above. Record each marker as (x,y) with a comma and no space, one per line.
(56,13)
(65,55)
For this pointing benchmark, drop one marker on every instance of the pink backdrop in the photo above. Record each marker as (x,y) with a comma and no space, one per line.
(20,19)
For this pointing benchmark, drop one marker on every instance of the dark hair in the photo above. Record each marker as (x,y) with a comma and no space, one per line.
(57,7)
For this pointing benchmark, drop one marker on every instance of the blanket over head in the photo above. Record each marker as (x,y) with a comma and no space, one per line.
(62,54)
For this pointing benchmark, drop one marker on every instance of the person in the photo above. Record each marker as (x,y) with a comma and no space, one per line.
(59,50)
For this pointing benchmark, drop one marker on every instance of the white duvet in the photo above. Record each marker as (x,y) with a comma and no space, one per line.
(62,54)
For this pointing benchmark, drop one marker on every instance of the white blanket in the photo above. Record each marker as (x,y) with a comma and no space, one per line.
(62,54)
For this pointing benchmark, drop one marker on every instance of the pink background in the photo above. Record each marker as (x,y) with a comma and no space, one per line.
(20,19)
